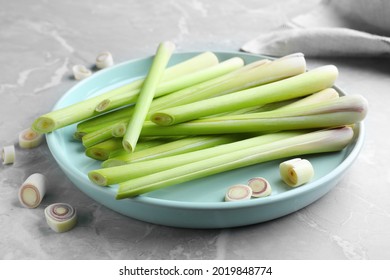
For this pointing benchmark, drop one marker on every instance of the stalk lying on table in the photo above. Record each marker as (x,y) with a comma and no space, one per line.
(297,86)
(310,143)
(86,108)
(118,174)
(342,111)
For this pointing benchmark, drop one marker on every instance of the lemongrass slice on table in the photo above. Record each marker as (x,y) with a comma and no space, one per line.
(8,154)
(32,191)
(29,138)
(104,60)
(296,172)
(260,187)
(238,192)
(61,217)
(81,72)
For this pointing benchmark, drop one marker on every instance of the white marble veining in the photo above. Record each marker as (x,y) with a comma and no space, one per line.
(41,40)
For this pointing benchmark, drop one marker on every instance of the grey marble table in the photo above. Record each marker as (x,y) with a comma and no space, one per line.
(41,40)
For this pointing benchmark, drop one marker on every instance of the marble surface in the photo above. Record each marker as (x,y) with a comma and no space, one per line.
(41,40)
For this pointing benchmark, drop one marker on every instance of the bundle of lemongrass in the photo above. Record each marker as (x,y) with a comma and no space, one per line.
(201,117)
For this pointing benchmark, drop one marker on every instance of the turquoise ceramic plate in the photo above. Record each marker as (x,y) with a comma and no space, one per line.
(199,203)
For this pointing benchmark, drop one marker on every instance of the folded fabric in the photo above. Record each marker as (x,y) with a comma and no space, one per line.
(329,30)
(317,42)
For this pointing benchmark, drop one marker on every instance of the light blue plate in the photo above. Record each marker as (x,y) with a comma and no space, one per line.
(199,203)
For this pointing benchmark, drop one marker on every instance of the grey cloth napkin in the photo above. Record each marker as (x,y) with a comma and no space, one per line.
(329,30)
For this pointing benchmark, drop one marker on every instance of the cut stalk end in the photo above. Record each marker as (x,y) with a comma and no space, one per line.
(162,119)
(97,178)
(44,125)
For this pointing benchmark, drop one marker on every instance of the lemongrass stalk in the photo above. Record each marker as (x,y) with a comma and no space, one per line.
(314,142)
(185,81)
(323,95)
(102,150)
(142,145)
(219,85)
(118,174)
(86,109)
(101,121)
(342,111)
(146,95)
(293,87)
(171,148)
(98,136)
(254,74)
(348,103)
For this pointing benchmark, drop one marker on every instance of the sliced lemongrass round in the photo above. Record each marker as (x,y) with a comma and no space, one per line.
(296,172)
(238,192)
(8,154)
(29,138)
(81,72)
(104,60)
(60,217)
(32,191)
(260,187)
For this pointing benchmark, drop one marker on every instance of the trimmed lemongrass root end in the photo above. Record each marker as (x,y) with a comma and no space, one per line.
(32,191)
(60,217)
(81,72)
(296,172)
(8,154)
(104,60)
(29,138)
(260,187)
(238,192)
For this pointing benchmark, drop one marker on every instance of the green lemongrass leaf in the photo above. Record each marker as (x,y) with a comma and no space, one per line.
(314,142)
(86,109)
(293,87)
(146,95)
(118,174)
